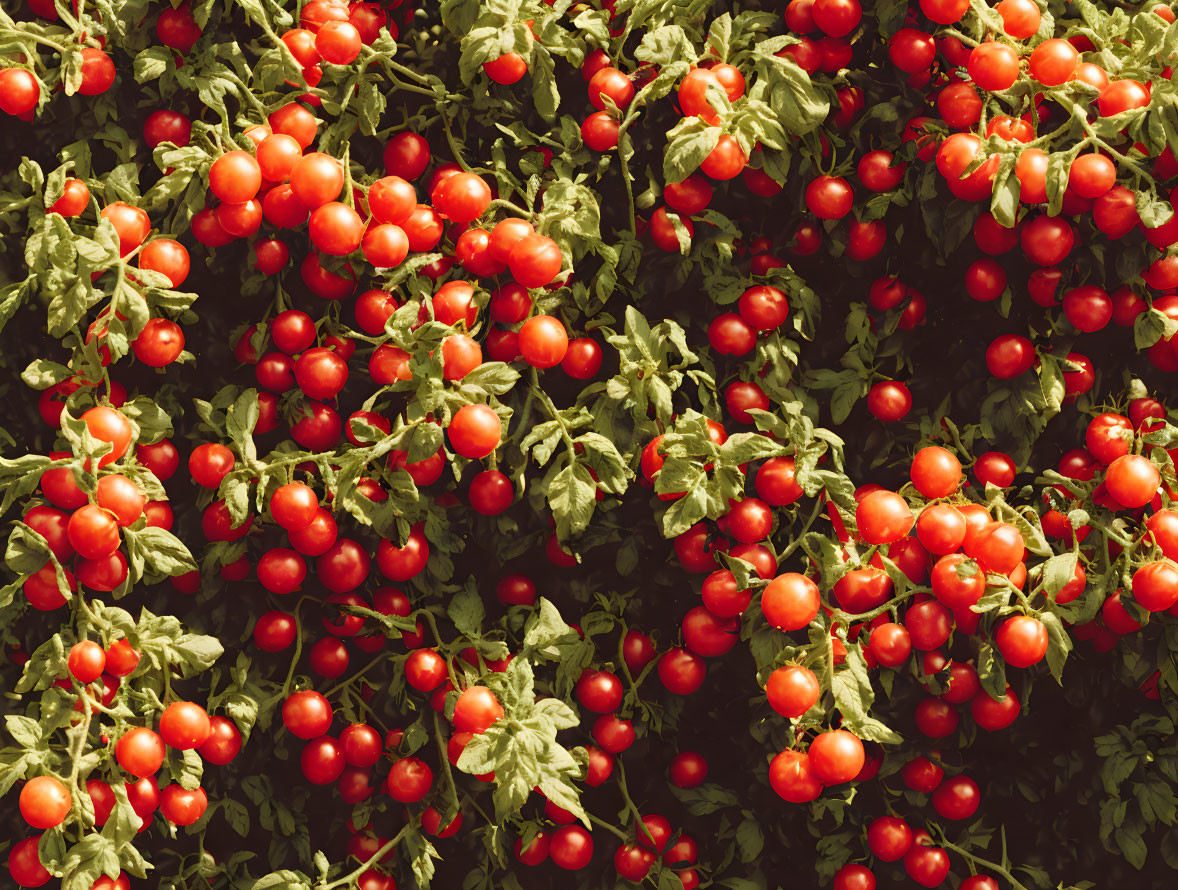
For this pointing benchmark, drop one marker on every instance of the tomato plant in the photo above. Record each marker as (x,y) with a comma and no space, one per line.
(679,444)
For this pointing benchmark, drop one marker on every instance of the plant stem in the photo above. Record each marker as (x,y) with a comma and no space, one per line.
(638,826)
(617,832)
(352,876)
(298,653)
(985,863)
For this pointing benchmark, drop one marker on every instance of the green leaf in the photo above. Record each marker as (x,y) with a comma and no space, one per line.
(466,611)
(749,838)
(42,373)
(662,46)
(546,632)
(1058,572)
(689,143)
(572,495)
(284,879)
(1059,644)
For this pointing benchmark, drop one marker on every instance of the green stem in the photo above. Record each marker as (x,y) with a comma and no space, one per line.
(298,653)
(797,540)
(455,149)
(357,675)
(639,827)
(18,34)
(617,832)
(433,623)
(75,769)
(984,863)
(376,857)
(503,203)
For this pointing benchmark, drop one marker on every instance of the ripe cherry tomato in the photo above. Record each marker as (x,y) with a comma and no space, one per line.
(791,776)
(140,752)
(185,725)
(993,66)
(829,197)
(790,601)
(889,401)
(1053,62)
(792,690)
(476,709)
(44,802)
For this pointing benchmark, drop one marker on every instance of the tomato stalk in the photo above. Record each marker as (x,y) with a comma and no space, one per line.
(617,832)
(977,860)
(639,826)
(444,760)
(433,623)
(793,545)
(75,768)
(298,653)
(437,89)
(17,34)
(503,203)
(380,659)
(455,148)
(351,877)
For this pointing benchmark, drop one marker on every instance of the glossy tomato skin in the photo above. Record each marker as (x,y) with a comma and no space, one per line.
(223,742)
(181,806)
(140,752)
(474,431)
(681,672)
(688,769)
(889,838)
(543,341)
(889,401)
(792,777)
(854,876)
(476,709)
(185,725)
(792,690)
(926,865)
(790,601)
(836,757)
(44,802)
(306,714)
(829,197)
(24,860)
(571,847)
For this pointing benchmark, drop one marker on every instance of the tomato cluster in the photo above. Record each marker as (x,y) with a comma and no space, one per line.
(513,351)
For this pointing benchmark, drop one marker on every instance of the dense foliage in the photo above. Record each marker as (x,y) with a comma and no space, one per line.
(509,442)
